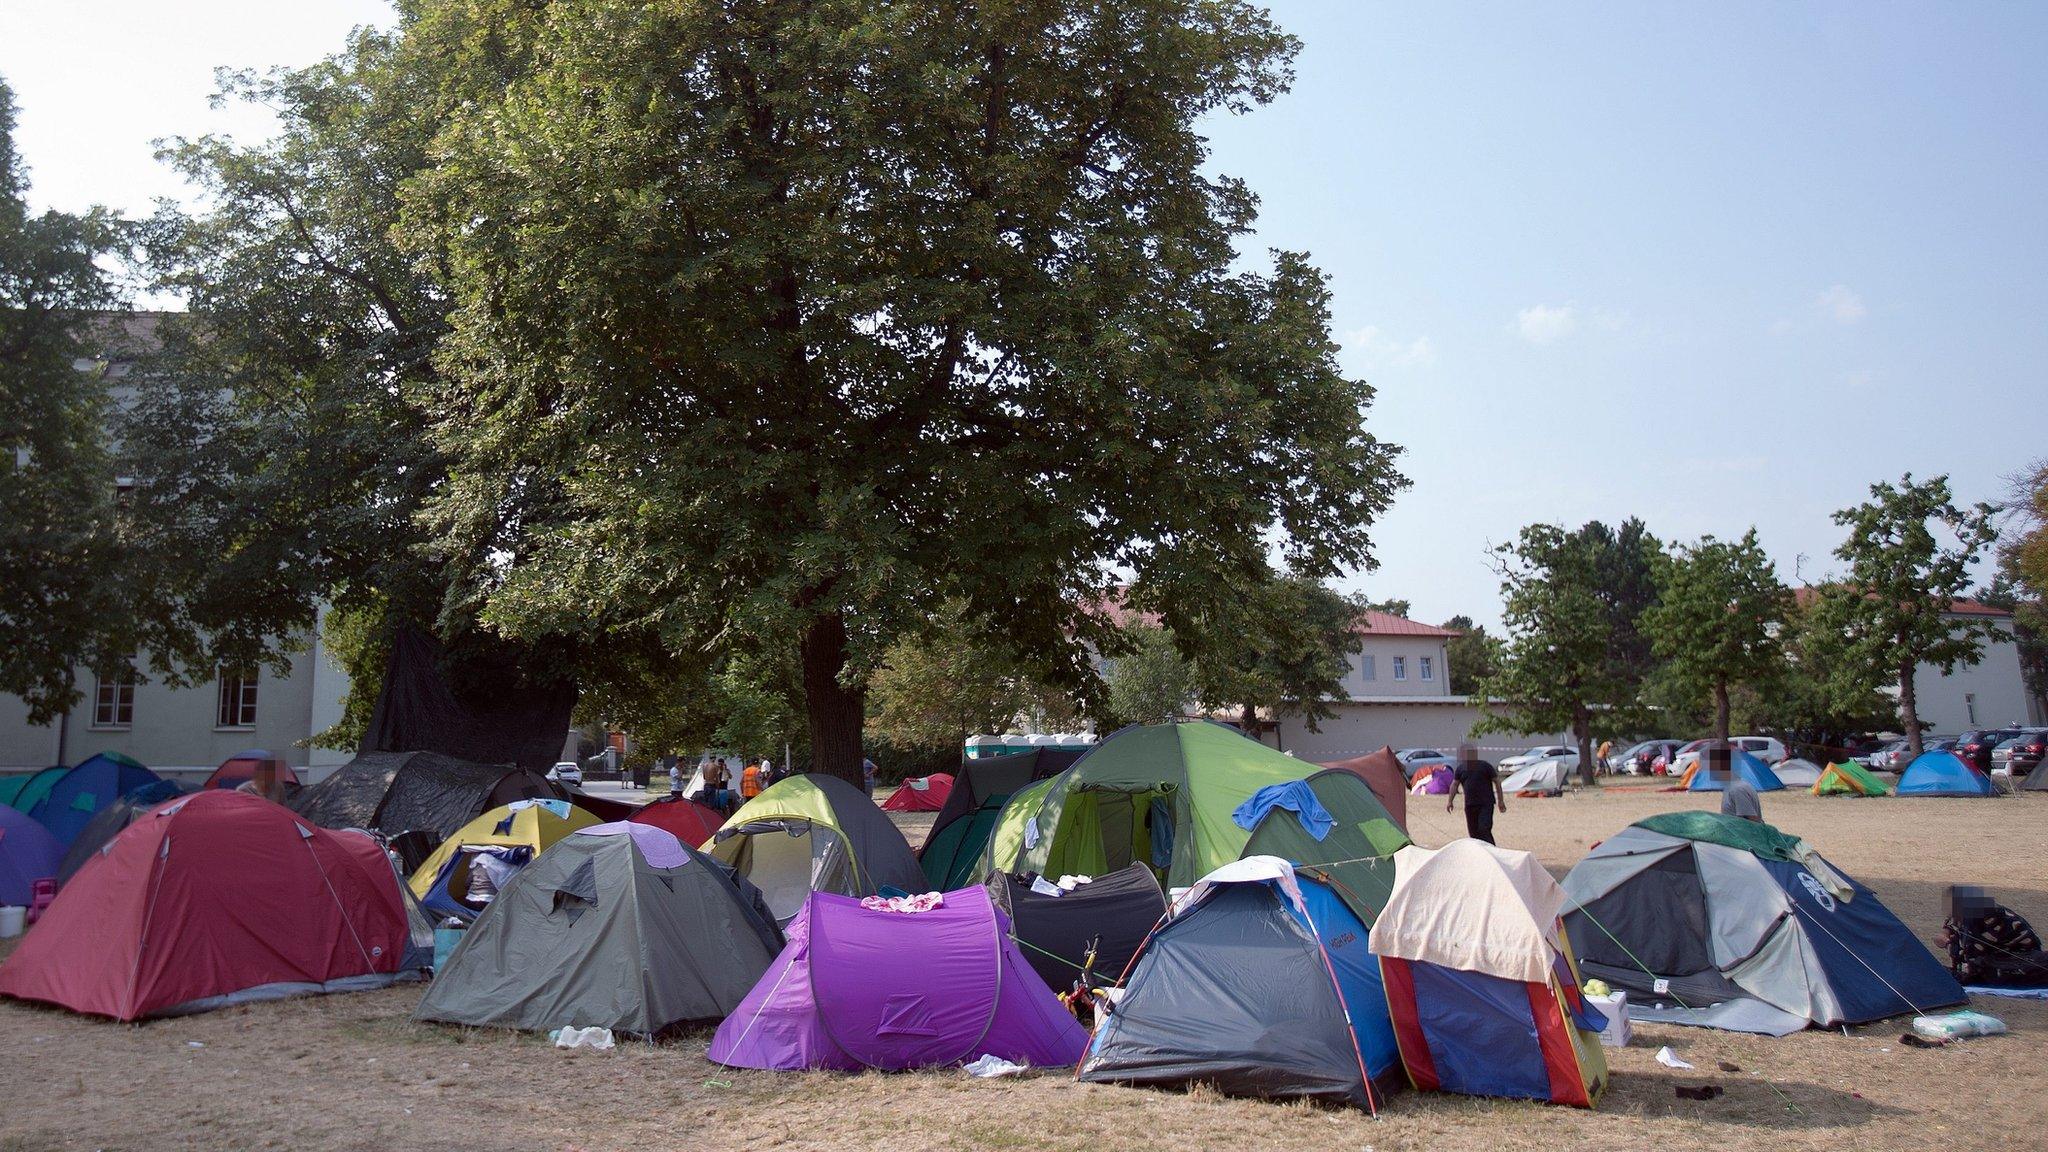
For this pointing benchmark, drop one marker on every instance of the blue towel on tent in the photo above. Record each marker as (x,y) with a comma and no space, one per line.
(1294,795)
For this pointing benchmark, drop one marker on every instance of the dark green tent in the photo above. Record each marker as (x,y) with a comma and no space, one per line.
(981,787)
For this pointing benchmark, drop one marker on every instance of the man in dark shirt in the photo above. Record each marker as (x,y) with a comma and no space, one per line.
(1480,783)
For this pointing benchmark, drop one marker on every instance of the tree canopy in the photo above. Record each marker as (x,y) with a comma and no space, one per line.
(1716,625)
(1473,656)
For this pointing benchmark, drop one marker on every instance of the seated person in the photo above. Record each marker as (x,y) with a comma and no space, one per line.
(1990,944)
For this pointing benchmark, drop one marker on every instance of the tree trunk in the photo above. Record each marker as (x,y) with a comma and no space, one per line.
(834,711)
(1721,711)
(1909,711)
(1582,731)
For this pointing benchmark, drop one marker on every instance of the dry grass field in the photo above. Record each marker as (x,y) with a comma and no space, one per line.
(352,1072)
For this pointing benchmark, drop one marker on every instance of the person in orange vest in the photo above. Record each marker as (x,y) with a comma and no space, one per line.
(750,782)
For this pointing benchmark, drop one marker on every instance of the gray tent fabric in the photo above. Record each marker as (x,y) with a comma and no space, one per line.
(1237,995)
(472,704)
(395,792)
(2037,780)
(593,935)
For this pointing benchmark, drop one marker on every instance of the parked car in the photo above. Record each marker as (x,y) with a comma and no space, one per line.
(1419,760)
(1975,746)
(1768,749)
(1677,762)
(2020,753)
(1541,752)
(567,772)
(1639,759)
(1884,757)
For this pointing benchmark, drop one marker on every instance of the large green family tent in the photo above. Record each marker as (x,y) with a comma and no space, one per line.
(815,833)
(618,926)
(1161,794)
(1726,923)
(981,787)
(1848,778)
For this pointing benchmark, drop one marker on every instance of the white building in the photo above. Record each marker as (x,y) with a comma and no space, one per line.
(1991,693)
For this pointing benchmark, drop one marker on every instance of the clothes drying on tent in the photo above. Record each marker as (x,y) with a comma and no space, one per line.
(30,790)
(1381,771)
(842,996)
(395,792)
(246,767)
(1749,929)
(1438,781)
(108,823)
(1943,774)
(1541,778)
(1849,778)
(815,833)
(1741,765)
(219,898)
(692,823)
(1796,773)
(78,795)
(1354,855)
(513,833)
(922,794)
(1260,984)
(1060,927)
(618,926)
(953,850)
(1481,987)
(1160,794)
(28,853)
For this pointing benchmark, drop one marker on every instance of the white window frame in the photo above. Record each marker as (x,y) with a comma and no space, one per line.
(245,684)
(1400,667)
(1428,667)
(122,700)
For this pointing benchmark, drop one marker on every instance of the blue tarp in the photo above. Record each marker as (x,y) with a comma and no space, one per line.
(1296,796)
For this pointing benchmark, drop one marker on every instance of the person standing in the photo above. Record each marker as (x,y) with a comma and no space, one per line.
(750,781)
(1480,783)
(1738,796)
(675,776)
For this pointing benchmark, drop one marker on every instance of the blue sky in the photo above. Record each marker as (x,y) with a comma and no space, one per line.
(1713,265)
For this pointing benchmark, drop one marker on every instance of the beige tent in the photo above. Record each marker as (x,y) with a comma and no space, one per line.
(1473,907)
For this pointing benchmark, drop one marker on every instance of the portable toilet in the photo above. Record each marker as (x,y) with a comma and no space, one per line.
(984,747)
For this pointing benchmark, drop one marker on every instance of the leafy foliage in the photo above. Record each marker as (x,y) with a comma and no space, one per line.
(938,686)
(1149,682)
(1473,656)
(1288,653)
(1715,627)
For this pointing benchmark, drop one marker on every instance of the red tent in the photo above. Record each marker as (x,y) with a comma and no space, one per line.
(924,794)
(213,899)
(686,820)
(1381,771)
(242,767)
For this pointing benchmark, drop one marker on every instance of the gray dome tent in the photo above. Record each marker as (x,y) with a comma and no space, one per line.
(618,926)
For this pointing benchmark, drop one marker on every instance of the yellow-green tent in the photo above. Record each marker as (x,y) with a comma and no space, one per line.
(534,825)
(815,833)
(1848,779)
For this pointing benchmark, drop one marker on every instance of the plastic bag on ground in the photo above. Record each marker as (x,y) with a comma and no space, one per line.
(596,1039)
(1669,1059)
(1956,1025)
(992,1065)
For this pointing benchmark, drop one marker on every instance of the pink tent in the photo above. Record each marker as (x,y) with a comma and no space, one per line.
(924,794)
(840,996)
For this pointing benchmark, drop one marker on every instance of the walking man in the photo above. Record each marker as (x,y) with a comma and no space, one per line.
(1480,783)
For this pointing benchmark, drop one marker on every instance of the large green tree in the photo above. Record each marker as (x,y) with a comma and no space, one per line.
(945,682)
(1473,656)
(1715,628)
(1148,681)
(59,551)
(1909,552)
(1286,656)
(788,323)
(1575,658)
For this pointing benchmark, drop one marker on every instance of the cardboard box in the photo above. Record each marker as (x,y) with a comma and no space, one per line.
(1614,1006)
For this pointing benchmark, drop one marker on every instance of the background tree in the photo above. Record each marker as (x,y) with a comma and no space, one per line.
(2021,583)
(1715,626)
(1148,681)
(937,687)
(1288,657)
(58,543)
(1473,655)
(1824,695)
(1574,659)
(1909,551)
(841,313)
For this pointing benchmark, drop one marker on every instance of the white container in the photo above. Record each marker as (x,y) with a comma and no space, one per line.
(13,920)
(1614,1006)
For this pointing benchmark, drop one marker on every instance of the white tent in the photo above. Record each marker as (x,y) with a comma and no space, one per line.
(1546,776)
(1797,773)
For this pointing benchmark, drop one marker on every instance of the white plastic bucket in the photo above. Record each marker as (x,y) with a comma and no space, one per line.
(13,920)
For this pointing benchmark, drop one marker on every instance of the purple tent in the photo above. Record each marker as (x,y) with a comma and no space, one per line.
(1436,782)
(844,995)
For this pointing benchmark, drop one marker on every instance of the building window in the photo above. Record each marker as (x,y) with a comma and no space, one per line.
(113,704)
(1428,668)
(1400,667)
(1367,668)
(237,698)
(1970,706)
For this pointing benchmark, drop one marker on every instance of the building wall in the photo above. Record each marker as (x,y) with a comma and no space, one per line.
(1378,655)
(1995,686)
(1366,726)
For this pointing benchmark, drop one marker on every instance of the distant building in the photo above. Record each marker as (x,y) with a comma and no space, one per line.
(1991,693)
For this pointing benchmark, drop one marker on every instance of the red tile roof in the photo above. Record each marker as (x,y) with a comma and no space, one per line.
(1372,623)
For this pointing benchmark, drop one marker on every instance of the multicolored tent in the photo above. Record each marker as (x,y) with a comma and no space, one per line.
(921,794)
(519,831)
(618,926)
(1160,794)
(214,899)
(1435,782)
(1381,771)
(1262,985)
(77,796)
(1741,765)
(1733,924)
(1943,774)
(815,833)
(842,996)
(28,853)
(1848,778)
(1480,982)
(953,850)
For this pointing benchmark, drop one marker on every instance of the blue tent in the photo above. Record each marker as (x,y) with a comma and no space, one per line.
(1261,984)
(1942,774)
(1742,765)
(28,853)
(79,794)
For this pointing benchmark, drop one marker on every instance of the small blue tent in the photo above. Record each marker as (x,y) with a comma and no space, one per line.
(1942,774)
(1741,765)
(28,853)
(79,794)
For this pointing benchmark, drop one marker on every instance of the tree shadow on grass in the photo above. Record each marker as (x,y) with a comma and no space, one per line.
(1748,1101)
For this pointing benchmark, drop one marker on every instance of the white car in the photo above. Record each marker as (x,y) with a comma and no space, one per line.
(1541,752)
(1768,749)
(567,772)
